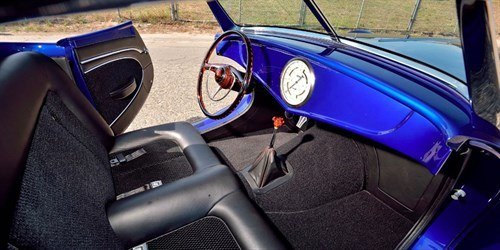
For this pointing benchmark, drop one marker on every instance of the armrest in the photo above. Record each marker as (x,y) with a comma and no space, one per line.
(214,191)
(147,215)
(194,147)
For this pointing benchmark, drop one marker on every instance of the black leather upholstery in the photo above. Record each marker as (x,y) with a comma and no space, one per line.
(150,214)
(25,79)
(197,152)
(213,190)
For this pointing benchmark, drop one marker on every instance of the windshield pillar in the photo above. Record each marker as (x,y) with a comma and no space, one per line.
(311,4)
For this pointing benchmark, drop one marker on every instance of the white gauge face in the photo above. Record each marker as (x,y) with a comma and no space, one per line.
(297,82)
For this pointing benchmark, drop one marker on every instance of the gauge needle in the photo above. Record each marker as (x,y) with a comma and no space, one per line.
(296,82)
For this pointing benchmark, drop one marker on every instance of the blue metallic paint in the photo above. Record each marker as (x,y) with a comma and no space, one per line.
(457,219)
(449,58)
(66,48)
(207,124)
(123,30)
(441,114)
(474,222)
(49,49)
(400,109)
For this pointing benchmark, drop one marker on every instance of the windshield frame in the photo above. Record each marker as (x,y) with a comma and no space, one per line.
(311,5)
(314,8)
(449,80)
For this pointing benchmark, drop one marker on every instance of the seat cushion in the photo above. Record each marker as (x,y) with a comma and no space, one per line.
(172,151)
(65,187)
(25,80)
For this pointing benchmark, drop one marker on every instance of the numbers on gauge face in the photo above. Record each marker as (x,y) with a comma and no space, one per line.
(297,82)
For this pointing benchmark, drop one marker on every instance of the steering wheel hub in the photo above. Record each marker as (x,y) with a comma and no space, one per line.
(226,76)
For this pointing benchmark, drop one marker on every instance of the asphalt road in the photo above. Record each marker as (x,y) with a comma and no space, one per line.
(176,61)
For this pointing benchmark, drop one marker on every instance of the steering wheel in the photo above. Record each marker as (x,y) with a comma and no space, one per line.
(226,76)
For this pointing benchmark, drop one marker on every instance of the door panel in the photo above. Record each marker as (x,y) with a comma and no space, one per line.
(116,71)
(110,78)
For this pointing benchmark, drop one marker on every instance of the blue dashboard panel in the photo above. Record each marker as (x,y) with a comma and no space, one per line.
(368,99)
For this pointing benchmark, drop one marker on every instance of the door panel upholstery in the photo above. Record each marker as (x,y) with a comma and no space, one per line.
(102,81)
(112,66)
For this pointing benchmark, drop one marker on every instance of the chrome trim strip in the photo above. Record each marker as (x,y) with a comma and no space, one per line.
(110,54)
(114,60)
(485,147)
(136,92)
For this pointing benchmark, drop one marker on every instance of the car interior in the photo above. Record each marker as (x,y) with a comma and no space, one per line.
(264,179)
(340,190)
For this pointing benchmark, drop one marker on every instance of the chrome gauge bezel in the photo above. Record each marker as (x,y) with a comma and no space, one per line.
(311,85)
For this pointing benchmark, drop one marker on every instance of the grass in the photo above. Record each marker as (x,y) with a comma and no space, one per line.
(148,18)
(435,17)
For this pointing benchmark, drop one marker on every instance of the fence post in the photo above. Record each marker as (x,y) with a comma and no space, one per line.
(360,13)
(302,14)
(239,16)
(174,11)
(413,18)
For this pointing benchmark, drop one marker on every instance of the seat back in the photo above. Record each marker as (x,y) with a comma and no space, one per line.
(55,179)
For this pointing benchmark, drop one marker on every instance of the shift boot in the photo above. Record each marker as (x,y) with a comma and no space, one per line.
(268,166)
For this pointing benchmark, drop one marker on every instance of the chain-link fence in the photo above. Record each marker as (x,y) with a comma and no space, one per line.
(404,17)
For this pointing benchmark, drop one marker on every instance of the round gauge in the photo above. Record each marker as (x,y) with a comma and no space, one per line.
(297,82)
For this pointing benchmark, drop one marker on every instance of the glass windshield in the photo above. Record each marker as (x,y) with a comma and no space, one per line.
(353,18)
(392,18)
(278,13)
(424,30)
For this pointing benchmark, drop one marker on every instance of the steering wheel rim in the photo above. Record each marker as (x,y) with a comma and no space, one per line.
(226,76)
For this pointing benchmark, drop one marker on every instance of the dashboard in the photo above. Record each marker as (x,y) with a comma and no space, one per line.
(351,91)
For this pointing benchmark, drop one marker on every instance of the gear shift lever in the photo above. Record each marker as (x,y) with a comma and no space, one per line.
(268,166)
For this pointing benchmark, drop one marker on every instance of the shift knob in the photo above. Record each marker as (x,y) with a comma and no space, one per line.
(278,122)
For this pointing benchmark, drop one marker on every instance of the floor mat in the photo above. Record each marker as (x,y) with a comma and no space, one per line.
(326,166)
(163,161)
(323,205)
(358,221)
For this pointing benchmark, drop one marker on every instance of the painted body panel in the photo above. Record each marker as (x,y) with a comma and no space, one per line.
(397,106)
(478,210)
(207,124)
(371,99)
(48,49)
(66,48)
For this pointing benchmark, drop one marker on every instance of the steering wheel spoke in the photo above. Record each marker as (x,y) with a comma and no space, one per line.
(226,76)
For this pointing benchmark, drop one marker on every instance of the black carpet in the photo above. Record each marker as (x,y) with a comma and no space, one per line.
(323,205)
(241,151)
(163,161)
(326,167)
(358,221)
